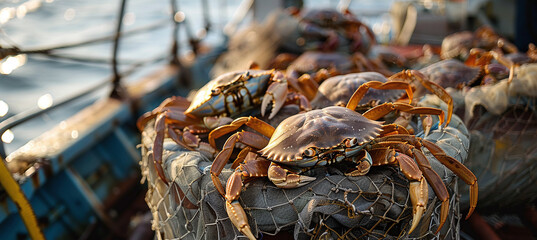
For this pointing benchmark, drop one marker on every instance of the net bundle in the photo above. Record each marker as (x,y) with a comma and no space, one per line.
(503,124)
(334,206)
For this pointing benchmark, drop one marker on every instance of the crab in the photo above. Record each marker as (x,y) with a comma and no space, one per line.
(336,63)
(456,74)
(227,96)
(313,67)
(318,66)
(459,44)
(477,70)
(330,135)
(336,90)
(523,58)
(326,30)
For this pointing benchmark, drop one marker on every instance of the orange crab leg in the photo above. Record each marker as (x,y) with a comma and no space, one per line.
(439,91)
(362,90)
(253,166)
(160,128)
(248,138)
(459,169)
(418,189)
(174,133)
(241,156)
(423,164)
(385,108)
(303,102)
(174,105)
(532,52)
(157,160)
(258,125)
(306,85)
(432,177)
(451,163)
(436,183)
(390,129)
(480,57)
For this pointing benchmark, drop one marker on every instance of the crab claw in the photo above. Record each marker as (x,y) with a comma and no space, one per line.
(427,124)
(362,166)
(418,196)
(282,178)
(238,218)
(213,122)
(276,93)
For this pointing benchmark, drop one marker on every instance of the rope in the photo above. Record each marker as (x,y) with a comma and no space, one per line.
(25,209)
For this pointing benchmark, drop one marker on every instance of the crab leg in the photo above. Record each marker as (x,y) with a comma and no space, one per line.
(157,159)
(307,85)
(160,128)
(363,164)
(418,189)
(458,168)
(253,166)
(488,34)
(249,138)
(439,91)
(480,57)
(173,107)
(390,129)
(385,108)
(423,164)
(362,90)
(303,102)
(164,121)
(258,125)
(451,163)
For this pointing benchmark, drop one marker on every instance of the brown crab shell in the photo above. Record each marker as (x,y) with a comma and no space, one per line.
(312,61)
(340,89)
(321,128)
(451,73)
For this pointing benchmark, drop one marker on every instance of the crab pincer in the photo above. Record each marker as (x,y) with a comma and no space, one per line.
(276,94)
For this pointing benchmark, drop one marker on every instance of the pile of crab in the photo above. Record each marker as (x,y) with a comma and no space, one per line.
(494,88)
(327,141)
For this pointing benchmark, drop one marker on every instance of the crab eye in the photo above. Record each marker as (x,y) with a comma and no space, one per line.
(310,152)
(215,91)
(351,142)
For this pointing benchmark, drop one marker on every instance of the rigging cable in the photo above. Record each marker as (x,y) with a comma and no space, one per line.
(118,91)
(48,51)
(206,20)
(175,34)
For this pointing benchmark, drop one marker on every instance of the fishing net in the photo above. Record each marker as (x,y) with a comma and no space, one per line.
(373,206)
(503,154)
